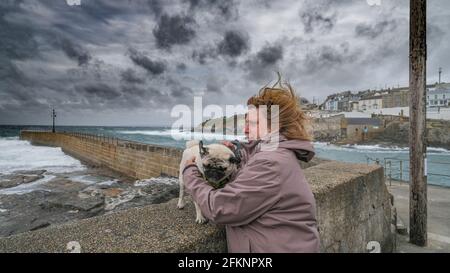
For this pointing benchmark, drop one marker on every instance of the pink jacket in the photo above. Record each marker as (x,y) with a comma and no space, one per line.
(268,206)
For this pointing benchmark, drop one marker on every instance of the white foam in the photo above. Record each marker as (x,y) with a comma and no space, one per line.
(21,155)
(375,148)
(185,135)
(161,180)
(27,188)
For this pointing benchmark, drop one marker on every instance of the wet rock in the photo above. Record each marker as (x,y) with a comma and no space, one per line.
(20,177)
(64,199)
(64,185)
(71,201)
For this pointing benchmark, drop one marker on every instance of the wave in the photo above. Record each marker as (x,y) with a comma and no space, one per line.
(376,148)
(182,135)
(21,155)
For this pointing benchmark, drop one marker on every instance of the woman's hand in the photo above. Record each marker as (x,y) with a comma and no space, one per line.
(228,144)
(190,161)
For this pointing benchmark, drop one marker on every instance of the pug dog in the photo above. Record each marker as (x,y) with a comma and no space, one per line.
(216,162)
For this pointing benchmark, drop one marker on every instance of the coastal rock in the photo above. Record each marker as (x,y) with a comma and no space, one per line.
(61,200)
(20,177)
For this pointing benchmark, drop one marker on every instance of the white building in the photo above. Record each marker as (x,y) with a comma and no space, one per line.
(371,103)
(439,96)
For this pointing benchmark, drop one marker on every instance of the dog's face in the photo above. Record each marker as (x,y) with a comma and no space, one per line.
(218,161)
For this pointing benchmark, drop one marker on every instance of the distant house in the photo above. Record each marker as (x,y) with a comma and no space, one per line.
(439,96)
(398,97)
(371,102)
(360,129)
(341,102)
(331,103)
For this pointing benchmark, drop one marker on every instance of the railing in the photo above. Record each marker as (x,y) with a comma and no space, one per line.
(101,137)
(396,168)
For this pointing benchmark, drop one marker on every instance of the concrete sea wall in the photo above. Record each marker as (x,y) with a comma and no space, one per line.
(353,209)
(133,159)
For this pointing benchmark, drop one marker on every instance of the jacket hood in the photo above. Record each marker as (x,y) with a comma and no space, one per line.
(304,150)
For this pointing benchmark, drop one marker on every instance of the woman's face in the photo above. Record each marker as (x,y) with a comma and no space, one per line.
(255,128)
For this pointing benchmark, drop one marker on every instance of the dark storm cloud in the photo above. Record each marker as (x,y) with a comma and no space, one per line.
(181,67)
(226,8)
(174,30)
(204,54)
(178,91)
(75,52)
(130,76)
(154,67)
(317,16)
(182,46)
(265,63)
(329,57)
(156,7)
(214,84)
(373,31)
(234,43)
(101,90)
(270,54)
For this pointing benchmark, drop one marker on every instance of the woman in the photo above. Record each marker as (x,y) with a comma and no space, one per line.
(268,206)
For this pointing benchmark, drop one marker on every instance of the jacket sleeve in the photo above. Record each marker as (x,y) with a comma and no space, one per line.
(254,191)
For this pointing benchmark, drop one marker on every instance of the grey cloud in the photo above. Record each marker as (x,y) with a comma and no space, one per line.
(328,57)
(214,84)
(202,55)
(101,90)
(154,67)
(75,52)
(373,31)
(226,8)
(270,54)
(129,76)
(264,63)
(174,30)
(156,7)
(317,16)
(181,67)
(234,43)
(178,90)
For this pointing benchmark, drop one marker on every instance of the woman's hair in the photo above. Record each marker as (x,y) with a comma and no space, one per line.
(293,122)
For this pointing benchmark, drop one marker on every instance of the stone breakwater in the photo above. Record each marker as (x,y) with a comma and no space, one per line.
(354,211)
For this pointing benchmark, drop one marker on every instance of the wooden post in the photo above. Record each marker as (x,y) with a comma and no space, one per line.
(417,112)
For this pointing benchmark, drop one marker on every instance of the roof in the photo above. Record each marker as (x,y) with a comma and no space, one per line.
(439,91)
(364,121)
(372,97)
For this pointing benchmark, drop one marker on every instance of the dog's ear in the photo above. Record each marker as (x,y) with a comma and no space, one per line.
(203,150)
(234,160)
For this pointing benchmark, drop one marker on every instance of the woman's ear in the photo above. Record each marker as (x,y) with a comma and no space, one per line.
(203,150)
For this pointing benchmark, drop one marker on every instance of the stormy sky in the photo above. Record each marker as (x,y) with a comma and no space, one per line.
(128,62)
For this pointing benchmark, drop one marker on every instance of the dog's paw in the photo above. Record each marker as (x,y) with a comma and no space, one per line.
(201,220)
(181,204)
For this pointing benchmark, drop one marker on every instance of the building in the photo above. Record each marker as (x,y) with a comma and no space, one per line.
(360,129)
(398,97)
(371,102)
(331,103)
(341,102)
(439,95)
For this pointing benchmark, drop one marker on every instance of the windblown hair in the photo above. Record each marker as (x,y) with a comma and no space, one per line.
(293,122)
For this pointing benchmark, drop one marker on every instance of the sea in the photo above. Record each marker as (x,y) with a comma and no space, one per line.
(16,154)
